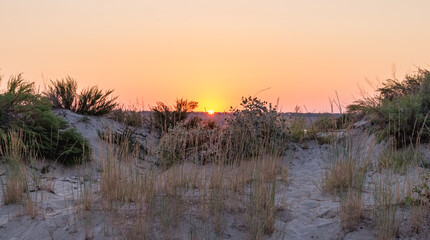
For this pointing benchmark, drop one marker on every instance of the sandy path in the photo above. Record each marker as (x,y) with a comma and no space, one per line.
(313,214)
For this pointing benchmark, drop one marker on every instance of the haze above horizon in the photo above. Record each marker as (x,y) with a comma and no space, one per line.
(214,52)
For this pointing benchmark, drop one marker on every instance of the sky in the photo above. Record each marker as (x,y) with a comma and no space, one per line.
(299,52)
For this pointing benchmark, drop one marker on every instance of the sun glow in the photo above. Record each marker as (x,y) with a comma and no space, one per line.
(211,112)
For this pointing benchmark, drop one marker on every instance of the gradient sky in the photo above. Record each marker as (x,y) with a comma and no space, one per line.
(214,52)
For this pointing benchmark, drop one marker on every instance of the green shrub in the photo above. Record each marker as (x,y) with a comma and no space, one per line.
(325,128)
(255,130)
(399,159)
(297,126)
(421,192)
(330,122)
(22,108)
(71,147)
(91,101)
(165,117)
(400,110)
(325,123)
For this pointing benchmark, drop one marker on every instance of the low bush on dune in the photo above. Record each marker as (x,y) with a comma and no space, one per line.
(255,130)
(132,118)
(330,122)
(90,101)
(400,110)
(165,117)
(22,109)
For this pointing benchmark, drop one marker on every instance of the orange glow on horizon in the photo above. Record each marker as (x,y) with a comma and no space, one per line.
(211,112)
(215,52)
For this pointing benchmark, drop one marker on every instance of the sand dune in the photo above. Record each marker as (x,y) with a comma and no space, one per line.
(303,210)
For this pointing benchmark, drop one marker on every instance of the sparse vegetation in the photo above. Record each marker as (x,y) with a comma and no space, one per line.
(256,129)
(16,183)
(400,110)
(204,180)
(22,108)
(162,197)
(346,166)
(132,118)
(165,117)
(197,144)
(91,101)
(386,196)
(297,126)
(344,177)
(399,159)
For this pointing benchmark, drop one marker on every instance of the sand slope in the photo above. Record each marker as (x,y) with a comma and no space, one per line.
(304,211)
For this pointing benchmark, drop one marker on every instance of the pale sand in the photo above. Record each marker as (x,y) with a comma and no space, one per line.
(305,212)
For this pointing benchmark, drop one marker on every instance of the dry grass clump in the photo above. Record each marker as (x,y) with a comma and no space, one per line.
(133,116)
(351,209)
(197,144)
(14,186)
(118,181)
(387,199)
(346,166)
(341,176)
(261,207)
(16,183)
(400,159)
(344,177)
(155,203)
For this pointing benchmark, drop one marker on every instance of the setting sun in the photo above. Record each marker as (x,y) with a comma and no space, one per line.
(121,96)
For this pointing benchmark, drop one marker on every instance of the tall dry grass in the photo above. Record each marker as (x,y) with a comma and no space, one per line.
(344,176)
(15,184)
(154,202)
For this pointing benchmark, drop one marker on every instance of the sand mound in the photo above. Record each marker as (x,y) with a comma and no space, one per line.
(303,211)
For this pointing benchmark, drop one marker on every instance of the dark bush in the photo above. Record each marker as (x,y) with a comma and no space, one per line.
(91,101)
(22,108)
(165,117)
(62,93)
